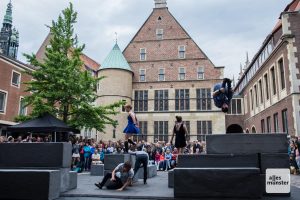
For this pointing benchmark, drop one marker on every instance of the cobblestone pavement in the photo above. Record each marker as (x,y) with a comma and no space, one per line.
(157,188)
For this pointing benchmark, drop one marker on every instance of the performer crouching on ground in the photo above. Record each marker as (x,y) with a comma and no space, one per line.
(121,177)
(142,157)
(131,128)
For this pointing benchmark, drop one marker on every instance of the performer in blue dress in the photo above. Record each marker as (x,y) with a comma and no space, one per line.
(131,128)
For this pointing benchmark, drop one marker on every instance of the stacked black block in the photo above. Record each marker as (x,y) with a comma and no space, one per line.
(233,164)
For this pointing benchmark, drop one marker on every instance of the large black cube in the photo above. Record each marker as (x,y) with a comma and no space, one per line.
(246,143)
(35,155)
(217,182)
(111,161)
(29,184)
(274,160)
(218,160)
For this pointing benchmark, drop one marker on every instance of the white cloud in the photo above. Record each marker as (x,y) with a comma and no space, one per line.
(224,29)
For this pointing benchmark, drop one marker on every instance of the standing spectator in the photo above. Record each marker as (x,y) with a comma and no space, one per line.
(101,152)
(87,154)
(180,130)
(75,151)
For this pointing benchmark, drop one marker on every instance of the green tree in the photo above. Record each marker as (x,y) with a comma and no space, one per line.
(60,85)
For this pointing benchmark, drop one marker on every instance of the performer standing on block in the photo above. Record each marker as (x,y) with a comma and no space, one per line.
(223,94)
(181,132)
(131,128)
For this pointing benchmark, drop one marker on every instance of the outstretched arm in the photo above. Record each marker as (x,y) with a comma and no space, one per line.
(171,141)
(125,185)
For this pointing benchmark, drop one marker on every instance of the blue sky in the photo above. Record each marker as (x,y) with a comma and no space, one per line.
(224,29)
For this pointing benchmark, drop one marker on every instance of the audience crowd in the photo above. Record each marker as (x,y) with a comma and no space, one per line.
(86,152)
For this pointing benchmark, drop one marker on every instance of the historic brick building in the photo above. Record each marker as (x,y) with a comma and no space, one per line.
(164,74)
(269,86)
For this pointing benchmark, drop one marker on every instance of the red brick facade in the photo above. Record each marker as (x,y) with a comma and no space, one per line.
(13,93)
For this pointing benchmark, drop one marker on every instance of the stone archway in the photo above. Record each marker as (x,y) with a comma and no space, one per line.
(234,128)
(253,130)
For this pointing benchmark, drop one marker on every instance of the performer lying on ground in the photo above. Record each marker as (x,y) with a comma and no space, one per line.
(121,177)
(223,94)
(142,157)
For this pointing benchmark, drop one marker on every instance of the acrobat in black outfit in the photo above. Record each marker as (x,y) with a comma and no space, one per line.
(181,132)
(223,94)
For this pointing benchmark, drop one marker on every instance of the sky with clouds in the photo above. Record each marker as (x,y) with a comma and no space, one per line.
(224,29)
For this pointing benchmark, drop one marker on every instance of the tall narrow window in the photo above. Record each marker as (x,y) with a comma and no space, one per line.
(276,125)
(284,121)
(161,100)
(181,73)
(203,128)
(22,107)
(266,80)
(251,98)
(143,125)
(142,75)
(181,52)
(182,99)
(15,80)
(143,54)
(200,73)
(159,34)
(261,91)
(256,95)
(161,131)
(161,75)
(282,77)
(269,124)
(3,100)
(141,101)
(203,99)
(273,78)
(262,126)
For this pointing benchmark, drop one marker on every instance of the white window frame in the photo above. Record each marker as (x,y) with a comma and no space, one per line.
(143,53)
(5,102)
(159,32)
(141,74)
(180,73)
(11,81)
(160,74)
(200,70)
(179,50)
(21,98)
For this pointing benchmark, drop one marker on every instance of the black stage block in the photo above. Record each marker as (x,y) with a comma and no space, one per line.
(246,143)
(111,161)
(274,160)
(72,180)
(263,188)
(217,182)
(218,161)
(171,179)
(29,184)
(97,170)
(35,155)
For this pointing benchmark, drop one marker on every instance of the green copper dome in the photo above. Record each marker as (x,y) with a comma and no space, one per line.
(115,60)
(8,15)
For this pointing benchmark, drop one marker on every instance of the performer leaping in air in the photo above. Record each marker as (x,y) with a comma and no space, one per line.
(223,94)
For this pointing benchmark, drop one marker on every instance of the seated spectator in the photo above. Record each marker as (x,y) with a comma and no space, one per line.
(78,165)
(162,161)
(174,157)
(120,178)
(96,158)
(157,159)
(168,158)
